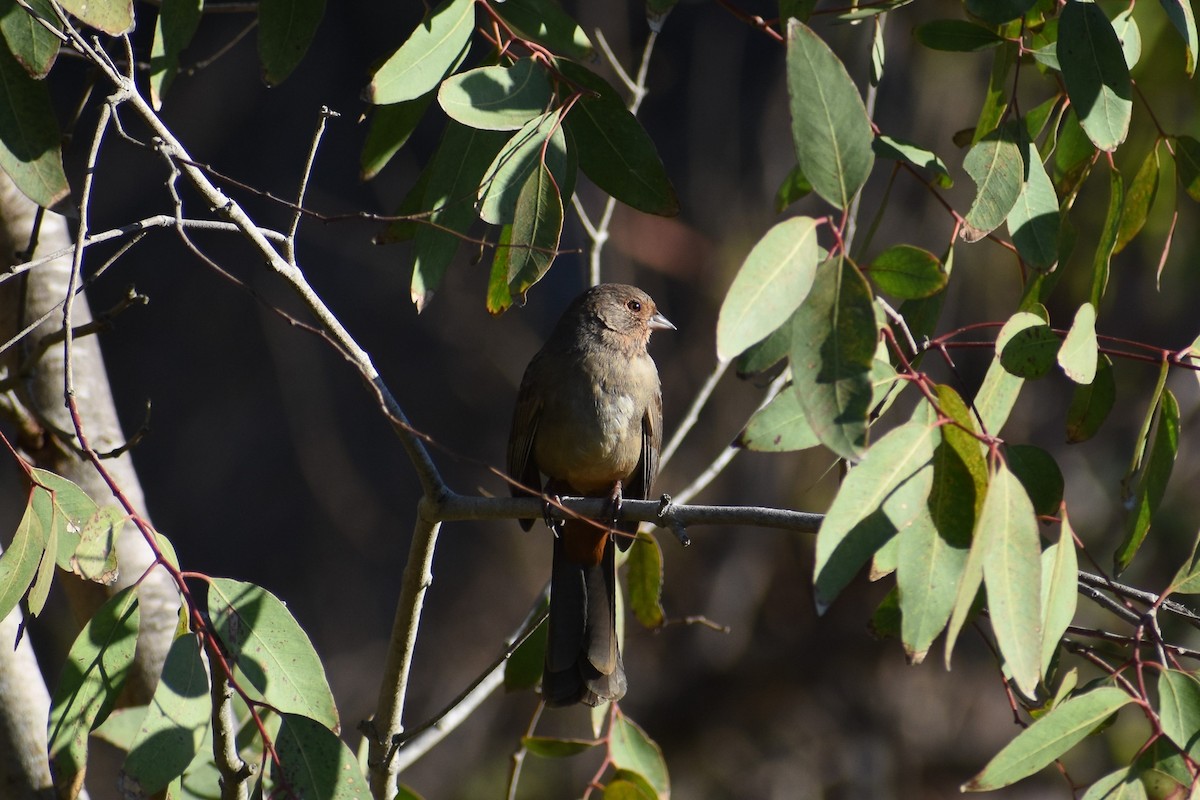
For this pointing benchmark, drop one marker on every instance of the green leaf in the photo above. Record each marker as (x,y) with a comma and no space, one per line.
(497,98)
(830,127)
(857,522)
(454,177)
(998,393)
(30,151)
(285,30)
(540,143)
(544,22)
(769,286)
(833,352)
(1029,352)
(34,47)
(1124,784)
(780,426)
(432,50)
(175,723)
(270,649)
(998,11)
(1095,73)
(1187,164)
(391,125)
(92,677)
(794,187)
(1179,708)
(1034,220)
(173,30)
(1060,590)
(19,561)
(1142,442)
(537,224)
(523,669)
(314,762)
(767,353)
(1012,574)
(630,748)
(96,558)
(499,297)
(1108,235)
(644,577)
(1152,483)
(908,272)
(1138,200)
(902,150)
(1129,35)
(1073,155)
(615,152)
(629,785)
(1091,403)
(928,564)
(550,747)
(1039,474)
(956,35)
(63,509)
(995,165)
(36,599)
(995,102)
(114,17)
(1049,737)
(1183,18)
(1080,351)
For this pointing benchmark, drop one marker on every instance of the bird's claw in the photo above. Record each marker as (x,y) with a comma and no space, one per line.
(548,515)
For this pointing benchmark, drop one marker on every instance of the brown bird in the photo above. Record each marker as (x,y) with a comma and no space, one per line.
(589,417)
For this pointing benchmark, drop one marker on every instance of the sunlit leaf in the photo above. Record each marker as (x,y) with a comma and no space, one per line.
(1012,574)
(1060,590)
(830,128)
(314,762)
(1095,73)
(1184,19)
(30,150)
(92,677)
(1048,738)
(426,56)
(995,165)
(780,426)
(901,150)
(270,649)
(833,351)
(1152,483)
(1179,708)
(497,98)
(631,749)
(769,286)
(1080,350)
(857,523)
(175,723)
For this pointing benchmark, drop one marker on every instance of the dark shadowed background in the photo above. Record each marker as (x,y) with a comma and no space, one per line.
(268,461)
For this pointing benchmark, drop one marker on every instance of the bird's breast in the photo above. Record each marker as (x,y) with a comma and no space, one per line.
(590,434)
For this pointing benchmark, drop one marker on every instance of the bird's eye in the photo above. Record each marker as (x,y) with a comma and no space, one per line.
(634,306)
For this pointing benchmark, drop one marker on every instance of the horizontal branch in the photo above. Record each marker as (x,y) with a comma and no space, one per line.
(453,507)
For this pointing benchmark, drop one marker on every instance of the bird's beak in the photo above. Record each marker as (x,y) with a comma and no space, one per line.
(660,323)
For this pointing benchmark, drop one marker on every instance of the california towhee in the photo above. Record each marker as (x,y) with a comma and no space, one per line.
(589,416)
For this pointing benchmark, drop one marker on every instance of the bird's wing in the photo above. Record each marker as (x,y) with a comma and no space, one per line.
(641,482)
(522,464)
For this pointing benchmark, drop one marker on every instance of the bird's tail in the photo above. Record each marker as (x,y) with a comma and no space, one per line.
(583,659)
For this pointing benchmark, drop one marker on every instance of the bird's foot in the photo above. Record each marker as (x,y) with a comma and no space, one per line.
(549,515)
(615,501)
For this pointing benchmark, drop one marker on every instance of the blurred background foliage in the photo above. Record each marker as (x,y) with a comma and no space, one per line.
(265,459)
